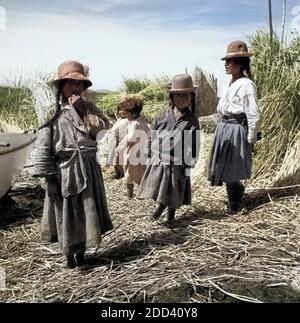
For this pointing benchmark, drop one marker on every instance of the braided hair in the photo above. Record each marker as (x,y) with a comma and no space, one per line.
(58,97)
(244,62)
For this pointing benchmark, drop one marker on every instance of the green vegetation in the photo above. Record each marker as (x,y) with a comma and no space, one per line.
(16,106)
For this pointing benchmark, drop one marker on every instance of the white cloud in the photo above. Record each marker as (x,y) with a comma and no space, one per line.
(113,51)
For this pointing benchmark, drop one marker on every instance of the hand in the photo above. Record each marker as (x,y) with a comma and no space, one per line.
(77,101)
(53,188)
(93,122)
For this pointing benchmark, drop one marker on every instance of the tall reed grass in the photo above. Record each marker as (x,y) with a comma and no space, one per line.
(16,105)
(278,82)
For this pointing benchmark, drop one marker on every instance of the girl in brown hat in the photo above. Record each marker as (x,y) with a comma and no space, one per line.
(75,208)
(134,144)
(236,134)
(174,149)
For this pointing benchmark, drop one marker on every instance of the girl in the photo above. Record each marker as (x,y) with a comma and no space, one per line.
(174,149)
(75,208)
(236,134)
(134,143)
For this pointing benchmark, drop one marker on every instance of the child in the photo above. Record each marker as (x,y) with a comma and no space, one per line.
(119,131)
(174,150)
(75,208)
(132,147)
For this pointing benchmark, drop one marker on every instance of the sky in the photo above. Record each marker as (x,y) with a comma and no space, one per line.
(126,38)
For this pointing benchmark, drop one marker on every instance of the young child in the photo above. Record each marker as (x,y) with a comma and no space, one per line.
(119,131)
(75,208)
(132,148)
(175,147)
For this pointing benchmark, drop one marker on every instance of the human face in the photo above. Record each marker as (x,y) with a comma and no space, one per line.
(72,87)
(182,100)
(231,67)
(128,115)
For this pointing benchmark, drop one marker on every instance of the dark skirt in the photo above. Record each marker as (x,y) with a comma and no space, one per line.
(231,156)
(78,221)
(166,184)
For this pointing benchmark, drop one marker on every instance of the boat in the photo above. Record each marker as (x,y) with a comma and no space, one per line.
(15,150)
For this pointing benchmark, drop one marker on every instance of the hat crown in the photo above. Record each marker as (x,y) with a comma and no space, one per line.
(182,82)
(70,67)
(237,48)
(71,70)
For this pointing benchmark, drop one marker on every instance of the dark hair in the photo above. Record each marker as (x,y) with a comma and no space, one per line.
(193,100)
(137,109)
(58,97)
(244,62)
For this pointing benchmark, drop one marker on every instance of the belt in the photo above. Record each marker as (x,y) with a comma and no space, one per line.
(65,155)
(235,119)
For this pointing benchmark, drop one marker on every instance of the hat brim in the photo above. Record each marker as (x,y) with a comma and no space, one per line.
(236,56)
(189,90)
(73,76)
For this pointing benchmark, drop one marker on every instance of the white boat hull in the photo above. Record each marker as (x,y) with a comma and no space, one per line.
(11,165)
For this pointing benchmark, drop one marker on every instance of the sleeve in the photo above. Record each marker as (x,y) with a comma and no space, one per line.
(151,137)
(196,143)
(193,153)
(44,164)
(95,120)
(252,112)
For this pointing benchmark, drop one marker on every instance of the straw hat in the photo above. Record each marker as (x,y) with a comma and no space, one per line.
(182,83)
(237,48)
(71,70)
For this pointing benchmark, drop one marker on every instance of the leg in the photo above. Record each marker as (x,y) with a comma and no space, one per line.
(235,191)
(71,264)
(171,217)
(119,172)
(158,212)
(130,190)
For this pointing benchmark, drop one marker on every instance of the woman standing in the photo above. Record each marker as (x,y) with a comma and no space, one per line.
(75,208)
(236,134)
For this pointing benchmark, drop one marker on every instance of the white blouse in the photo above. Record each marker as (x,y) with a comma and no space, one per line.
(240,97)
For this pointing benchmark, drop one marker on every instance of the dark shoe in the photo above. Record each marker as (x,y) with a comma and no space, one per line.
(158,212)
(171,217)
(71,264)
(79,259)
(130,190)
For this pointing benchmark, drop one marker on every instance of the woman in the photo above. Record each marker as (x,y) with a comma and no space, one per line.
(236,134)
(174,148)
(75,208)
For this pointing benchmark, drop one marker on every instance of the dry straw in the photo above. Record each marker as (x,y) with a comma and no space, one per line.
(278,84)
(208,257)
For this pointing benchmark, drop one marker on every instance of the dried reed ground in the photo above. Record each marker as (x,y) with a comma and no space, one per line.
(208,257)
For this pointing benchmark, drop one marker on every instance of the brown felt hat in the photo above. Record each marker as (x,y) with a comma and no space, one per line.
(237,48)
(71,70)
(182,83)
